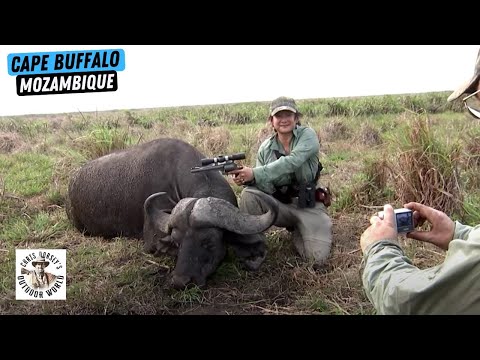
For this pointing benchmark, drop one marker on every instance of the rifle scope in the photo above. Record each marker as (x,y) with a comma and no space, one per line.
(223,158)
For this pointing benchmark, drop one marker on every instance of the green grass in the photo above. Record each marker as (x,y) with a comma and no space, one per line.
(33,229)
(26,174)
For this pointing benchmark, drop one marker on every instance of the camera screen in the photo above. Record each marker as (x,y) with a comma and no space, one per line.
(404,221)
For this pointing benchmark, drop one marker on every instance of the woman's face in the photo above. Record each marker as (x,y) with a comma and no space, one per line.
(284,121)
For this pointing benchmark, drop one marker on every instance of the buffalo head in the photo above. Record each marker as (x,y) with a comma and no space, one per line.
(195,231)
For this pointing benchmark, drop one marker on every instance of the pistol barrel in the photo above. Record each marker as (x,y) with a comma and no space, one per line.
(206,168)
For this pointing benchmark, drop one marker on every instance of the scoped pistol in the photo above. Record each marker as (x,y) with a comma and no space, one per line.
(224,163)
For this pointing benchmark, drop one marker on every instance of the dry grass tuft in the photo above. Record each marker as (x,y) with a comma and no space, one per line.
(262,135)
(472,150)
(335,130)
(425,171)
(377,177)
(9,142)
(211,141)
(369,135)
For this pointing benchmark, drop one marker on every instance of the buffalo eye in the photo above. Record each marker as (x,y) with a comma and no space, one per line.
(176,236)
(207,244)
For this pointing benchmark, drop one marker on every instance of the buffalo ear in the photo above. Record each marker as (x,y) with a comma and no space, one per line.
(155,223)
(154,215)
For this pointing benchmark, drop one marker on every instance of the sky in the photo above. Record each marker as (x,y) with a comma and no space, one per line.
(184,75)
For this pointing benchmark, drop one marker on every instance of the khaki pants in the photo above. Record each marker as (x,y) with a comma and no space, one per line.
(312,234)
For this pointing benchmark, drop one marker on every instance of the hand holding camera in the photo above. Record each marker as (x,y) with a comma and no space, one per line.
(403,220)
(442,227)
(379,229)
(387,224)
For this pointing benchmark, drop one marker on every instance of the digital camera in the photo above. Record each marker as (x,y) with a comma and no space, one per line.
(403,220)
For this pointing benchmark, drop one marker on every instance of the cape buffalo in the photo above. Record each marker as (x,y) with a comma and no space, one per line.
(148,191)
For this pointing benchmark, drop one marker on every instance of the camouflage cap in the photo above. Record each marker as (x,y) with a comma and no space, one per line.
(470,86)
(283,103)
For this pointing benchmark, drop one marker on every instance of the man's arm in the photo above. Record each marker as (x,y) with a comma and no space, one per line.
(463,231)
(395,286)
(391,282)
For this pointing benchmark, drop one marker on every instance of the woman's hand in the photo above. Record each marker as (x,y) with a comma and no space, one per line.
(243,175)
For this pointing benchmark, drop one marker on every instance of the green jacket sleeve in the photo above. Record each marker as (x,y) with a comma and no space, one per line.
(387,277)
(461,231)
(395,286)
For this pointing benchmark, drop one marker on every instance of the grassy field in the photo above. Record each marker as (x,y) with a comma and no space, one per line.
(395,149)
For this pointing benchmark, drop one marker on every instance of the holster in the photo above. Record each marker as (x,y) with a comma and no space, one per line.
(306,195)
(323,195)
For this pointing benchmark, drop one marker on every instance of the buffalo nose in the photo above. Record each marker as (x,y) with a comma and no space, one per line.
(181,281)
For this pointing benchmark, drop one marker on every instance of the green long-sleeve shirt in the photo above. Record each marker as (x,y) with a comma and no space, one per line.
(302,160)
(395,286)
